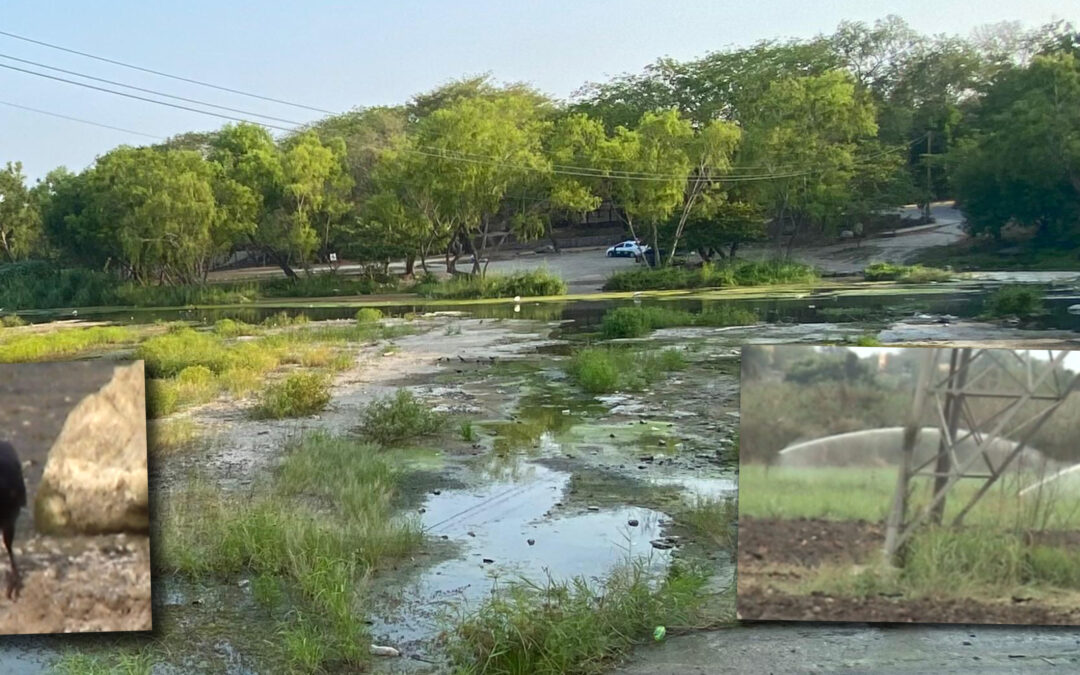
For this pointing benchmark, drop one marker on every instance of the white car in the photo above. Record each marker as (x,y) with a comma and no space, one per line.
(626,249)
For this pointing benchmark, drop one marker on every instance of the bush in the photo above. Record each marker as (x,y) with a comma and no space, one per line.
(905,274)
(298,395)
(11,321)
(596,370)
(393,419)
(630,322)
(602,370)
(230,328)
(1017,300)
(161,398)
(742,273)
(368,315)
(533,283)
(166,355)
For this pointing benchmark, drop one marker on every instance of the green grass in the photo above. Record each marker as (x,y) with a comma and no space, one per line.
(866,494)
(630,322)
(711,519)
(1016,300)
(867,341)
(368,315)
(298,395)
(229,328)
(575,626)
(533,283)
(167,437)
(985,255)
(323,523)
(601,370)
(905,274)
(741,273)
(167,355)
(468,433)
(399,417)
(90,663)
(62,343)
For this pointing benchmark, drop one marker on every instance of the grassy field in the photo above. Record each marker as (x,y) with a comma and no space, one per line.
(866,494)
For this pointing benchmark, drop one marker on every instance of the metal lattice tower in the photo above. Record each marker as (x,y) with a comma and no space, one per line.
(949,386)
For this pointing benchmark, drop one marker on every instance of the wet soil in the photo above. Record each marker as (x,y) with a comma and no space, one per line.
(70,584)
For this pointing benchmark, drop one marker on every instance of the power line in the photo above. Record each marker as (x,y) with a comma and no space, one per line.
(149,91)
(142,98)
(77,119)
(161,74)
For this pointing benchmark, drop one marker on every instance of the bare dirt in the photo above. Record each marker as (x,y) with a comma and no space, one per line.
(775,551)
(70,584)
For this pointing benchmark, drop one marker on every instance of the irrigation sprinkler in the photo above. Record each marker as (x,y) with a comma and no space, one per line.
(1037,392)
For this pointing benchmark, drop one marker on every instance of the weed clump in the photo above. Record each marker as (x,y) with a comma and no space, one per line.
(396,418)
(708,275)
(631,322)
(1016,300)
(368,315)
(298,395)
(602,370)
(533,283)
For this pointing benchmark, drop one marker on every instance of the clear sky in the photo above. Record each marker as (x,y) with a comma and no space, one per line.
(338,55)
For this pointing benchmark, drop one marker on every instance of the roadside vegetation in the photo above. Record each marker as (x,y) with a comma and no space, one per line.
(533,283)
(709,275)
(1022,301)
(905,274)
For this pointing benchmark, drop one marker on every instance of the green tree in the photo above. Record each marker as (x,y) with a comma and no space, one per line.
(20,219)
(1022,164)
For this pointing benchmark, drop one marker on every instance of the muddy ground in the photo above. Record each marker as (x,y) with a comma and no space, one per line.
(775,552)
(70,584)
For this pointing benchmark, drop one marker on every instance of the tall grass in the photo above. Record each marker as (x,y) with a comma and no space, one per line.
(62,343)
(298,395)
(741,273)
(397,418)
(533,283)
(905,274)
(575,626)
(601,370)
(1019,300)
(314,533)
(630,322)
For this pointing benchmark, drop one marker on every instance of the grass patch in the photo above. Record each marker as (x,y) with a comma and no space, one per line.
(1016,300)
(468,433)
(711,519)
(117,663)
(230,328)
(321,526)
(905,274)
(167,437)
(11,321)
(368,315)
(62,343)
(602,370)
(630,322)
(298,395)
(866,494)
(575,626)
(533,283)
(393,419)
(742,273)
(167,355)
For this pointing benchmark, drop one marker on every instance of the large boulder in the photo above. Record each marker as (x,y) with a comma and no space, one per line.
(95,478)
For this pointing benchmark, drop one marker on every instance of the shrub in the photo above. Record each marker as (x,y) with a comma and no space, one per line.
(368,315)
(629,322)
(161,398)
(229,328)
(595,370)
(533,283)
(1017,300)
(11,321)
(602,370)
(396,418)
(905,274)
(298,395)
(166,355)
(741,273)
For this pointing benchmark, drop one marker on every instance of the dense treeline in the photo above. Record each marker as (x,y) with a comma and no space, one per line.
(779,138)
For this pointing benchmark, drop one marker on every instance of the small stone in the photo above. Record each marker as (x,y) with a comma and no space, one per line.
(244,583)
(380,650)
(632,522)
(661,544)
(593,508)
(661,442)
(436,492)
(471,533)
(488,561)
(530,541)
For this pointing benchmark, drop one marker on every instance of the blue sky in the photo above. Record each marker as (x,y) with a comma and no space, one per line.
(337,55)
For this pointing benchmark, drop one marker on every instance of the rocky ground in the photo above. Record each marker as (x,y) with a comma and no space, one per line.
(70,584)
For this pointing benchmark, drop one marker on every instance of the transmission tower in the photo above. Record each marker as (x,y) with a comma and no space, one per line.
(1028,390)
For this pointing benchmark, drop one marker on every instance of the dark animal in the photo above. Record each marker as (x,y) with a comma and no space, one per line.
(12,500)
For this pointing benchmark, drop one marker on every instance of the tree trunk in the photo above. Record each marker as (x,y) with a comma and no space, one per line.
(551,236)
(658,257)
(410,263)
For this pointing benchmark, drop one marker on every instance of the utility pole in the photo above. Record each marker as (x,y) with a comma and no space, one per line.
(929,185)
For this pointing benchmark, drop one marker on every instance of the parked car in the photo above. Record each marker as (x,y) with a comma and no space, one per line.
(626,249)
